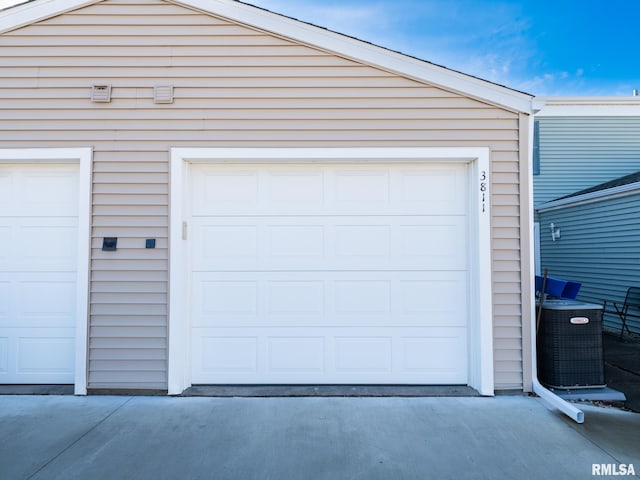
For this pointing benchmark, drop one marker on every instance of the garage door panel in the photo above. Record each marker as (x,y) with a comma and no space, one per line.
(353,240)
(5,296)
(362,189)
(38,244)
(295,298)
(229,242)
(48,244)
(444,353)
(439,190)
(278,355)
(4,356)
(360,297)
(226,298)
(363,354)
(45,300)
(38,272)
(329,273)
(38,190)
(318,299)
(6,188)
(36,355)
(224,189)
(44,353)
(47,304)
(5,242)
(329,190)
(299,241)
(308,352)
(228,354)
(330,243)
(300,188)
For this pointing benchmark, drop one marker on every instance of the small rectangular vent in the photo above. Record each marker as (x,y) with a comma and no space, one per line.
(163,94)
(101,93)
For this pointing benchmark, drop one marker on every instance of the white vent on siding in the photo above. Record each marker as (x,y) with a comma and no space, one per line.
(163,94)
(101,93)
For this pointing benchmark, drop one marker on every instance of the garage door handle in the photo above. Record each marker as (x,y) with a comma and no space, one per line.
(184,230)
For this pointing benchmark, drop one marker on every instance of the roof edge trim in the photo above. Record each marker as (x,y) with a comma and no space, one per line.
(622,190)
(30,12)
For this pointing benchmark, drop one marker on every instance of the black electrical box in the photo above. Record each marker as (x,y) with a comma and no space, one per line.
(110,244)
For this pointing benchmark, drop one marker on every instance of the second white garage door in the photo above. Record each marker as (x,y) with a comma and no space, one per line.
(334,274)
(38,272)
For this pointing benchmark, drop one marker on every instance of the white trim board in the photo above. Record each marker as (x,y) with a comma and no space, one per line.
(343,45)
(82,157)
(587,106)
(481,324)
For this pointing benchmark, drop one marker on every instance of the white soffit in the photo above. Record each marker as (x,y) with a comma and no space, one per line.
(309,34)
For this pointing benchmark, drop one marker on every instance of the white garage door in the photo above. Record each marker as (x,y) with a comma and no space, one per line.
(329,274)
(38,230)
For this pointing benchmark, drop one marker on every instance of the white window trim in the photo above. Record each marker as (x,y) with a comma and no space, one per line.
(82,157)
(480,332)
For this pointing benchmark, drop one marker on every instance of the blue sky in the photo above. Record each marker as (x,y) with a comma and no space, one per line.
(542,47)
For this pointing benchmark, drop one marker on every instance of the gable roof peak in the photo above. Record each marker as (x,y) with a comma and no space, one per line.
(306,33)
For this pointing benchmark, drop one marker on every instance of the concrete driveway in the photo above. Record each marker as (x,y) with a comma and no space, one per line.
(66,437)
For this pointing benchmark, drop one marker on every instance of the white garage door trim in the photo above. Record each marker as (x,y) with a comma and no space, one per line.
(82,157)
(480,326)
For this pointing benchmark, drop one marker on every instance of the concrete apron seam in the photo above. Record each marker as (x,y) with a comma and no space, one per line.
(590,440)
(91,429)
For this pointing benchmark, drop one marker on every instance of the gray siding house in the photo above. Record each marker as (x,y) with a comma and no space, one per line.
(202,192)
(599,242)
(582,142)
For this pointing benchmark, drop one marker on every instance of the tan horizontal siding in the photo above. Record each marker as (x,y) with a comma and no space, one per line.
(62,39)
(148,189)
(235,137)
(130,242)
(412,112)
(31,78)
(130,69)
(131,253)
(131,353)
(127,287)
(45,29)
(129,275)
(163,54)
(234,86)
(269,97)
(125,265)
(128,167)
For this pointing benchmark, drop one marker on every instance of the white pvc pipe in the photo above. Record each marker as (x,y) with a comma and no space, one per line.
(565,407)
(527,212)
(551,398)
